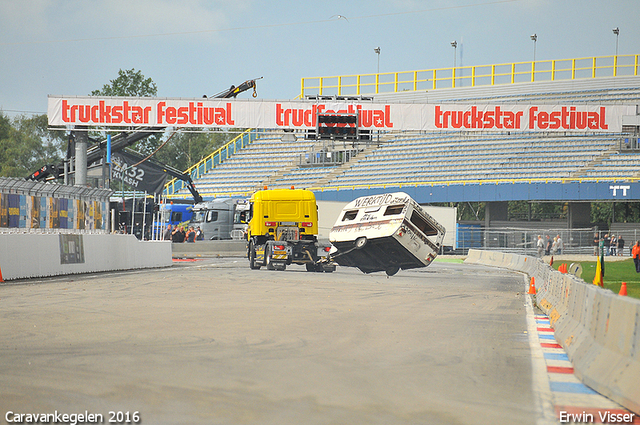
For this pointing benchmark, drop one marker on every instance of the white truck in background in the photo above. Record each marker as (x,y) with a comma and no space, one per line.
(221,219)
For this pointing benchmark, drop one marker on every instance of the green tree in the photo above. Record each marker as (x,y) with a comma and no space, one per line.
(185,149)
(129,83)
(27,144)
(132,83)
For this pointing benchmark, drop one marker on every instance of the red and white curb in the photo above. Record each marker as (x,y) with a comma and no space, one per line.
(561,397)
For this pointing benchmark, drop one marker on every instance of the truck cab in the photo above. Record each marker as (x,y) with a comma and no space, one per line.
(283,229)
(215,218)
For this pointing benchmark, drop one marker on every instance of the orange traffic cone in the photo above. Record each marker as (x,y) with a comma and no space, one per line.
(623,289)
(532,286)
(1,279)
(551,262)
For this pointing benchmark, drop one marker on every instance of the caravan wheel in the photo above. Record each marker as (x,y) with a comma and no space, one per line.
(392,270)
(361,242)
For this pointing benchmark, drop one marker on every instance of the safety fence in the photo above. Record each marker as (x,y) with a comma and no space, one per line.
(472,76)
(524,241)
(36,207)
(599,330)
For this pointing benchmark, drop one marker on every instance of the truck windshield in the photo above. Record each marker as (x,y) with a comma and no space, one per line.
(240,217)
(198,216)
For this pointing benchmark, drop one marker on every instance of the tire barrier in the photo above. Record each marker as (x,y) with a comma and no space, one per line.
(599,330)
(29,255)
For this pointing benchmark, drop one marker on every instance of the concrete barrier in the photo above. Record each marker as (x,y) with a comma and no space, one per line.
(599,330)
(28,255)
(232,248)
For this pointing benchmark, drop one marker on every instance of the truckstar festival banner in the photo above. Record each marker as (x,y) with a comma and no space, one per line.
(209,113)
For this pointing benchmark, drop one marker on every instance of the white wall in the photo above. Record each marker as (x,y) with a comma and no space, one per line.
(38,255)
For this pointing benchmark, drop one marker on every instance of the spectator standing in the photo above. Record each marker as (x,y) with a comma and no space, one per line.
(178,235)
(620,245)
(191,235)
(166,236)
(540,246)
(614,245)
(547,247)
(635,253)
(560,245)
(607,244)
(596,244)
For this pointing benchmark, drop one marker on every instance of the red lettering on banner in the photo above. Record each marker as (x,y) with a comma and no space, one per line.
(474,118)
(198,113)
(104,114)
(229,120)
(117,114)
(195,113)
(306,117)
(567,119)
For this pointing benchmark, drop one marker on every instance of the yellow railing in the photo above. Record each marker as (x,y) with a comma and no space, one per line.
(211,161)
(472,76)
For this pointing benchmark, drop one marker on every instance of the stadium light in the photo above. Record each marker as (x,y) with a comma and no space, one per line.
(454,44)
(377,50)
(616,31)
(534,37)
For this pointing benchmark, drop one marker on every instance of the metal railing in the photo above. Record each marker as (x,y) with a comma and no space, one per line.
(213,160)
(524,241)
(472,76)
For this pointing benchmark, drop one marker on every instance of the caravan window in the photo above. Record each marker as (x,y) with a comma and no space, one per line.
(422,224)
(212,216)
(394,209)
(350,215)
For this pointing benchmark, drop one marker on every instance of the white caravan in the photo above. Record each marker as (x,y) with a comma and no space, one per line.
(387,233)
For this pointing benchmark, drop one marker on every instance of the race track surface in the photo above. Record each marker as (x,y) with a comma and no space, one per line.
(212,342)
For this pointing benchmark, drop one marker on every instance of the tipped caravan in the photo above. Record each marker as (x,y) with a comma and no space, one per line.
(387,233)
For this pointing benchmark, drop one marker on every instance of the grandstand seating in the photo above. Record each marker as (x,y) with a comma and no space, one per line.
(446,156)
(426,158)
(249,167)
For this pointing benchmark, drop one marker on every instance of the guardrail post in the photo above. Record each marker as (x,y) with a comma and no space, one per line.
(533,71)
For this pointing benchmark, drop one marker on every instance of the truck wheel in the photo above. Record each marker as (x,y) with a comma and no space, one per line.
(267,258)
(330,269)
(361,242)
(252,257)
(310,267)
(392,270)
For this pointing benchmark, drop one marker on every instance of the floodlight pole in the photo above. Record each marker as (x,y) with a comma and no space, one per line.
(454,44)
(534,37)
(377,50)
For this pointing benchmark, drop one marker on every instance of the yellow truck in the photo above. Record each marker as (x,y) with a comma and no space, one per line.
(283,230)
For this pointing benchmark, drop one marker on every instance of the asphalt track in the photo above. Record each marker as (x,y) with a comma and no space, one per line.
(212,342)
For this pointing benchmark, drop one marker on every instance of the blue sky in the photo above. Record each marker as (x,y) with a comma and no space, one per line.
(195,47)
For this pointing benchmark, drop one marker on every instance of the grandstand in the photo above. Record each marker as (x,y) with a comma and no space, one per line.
(424,159)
